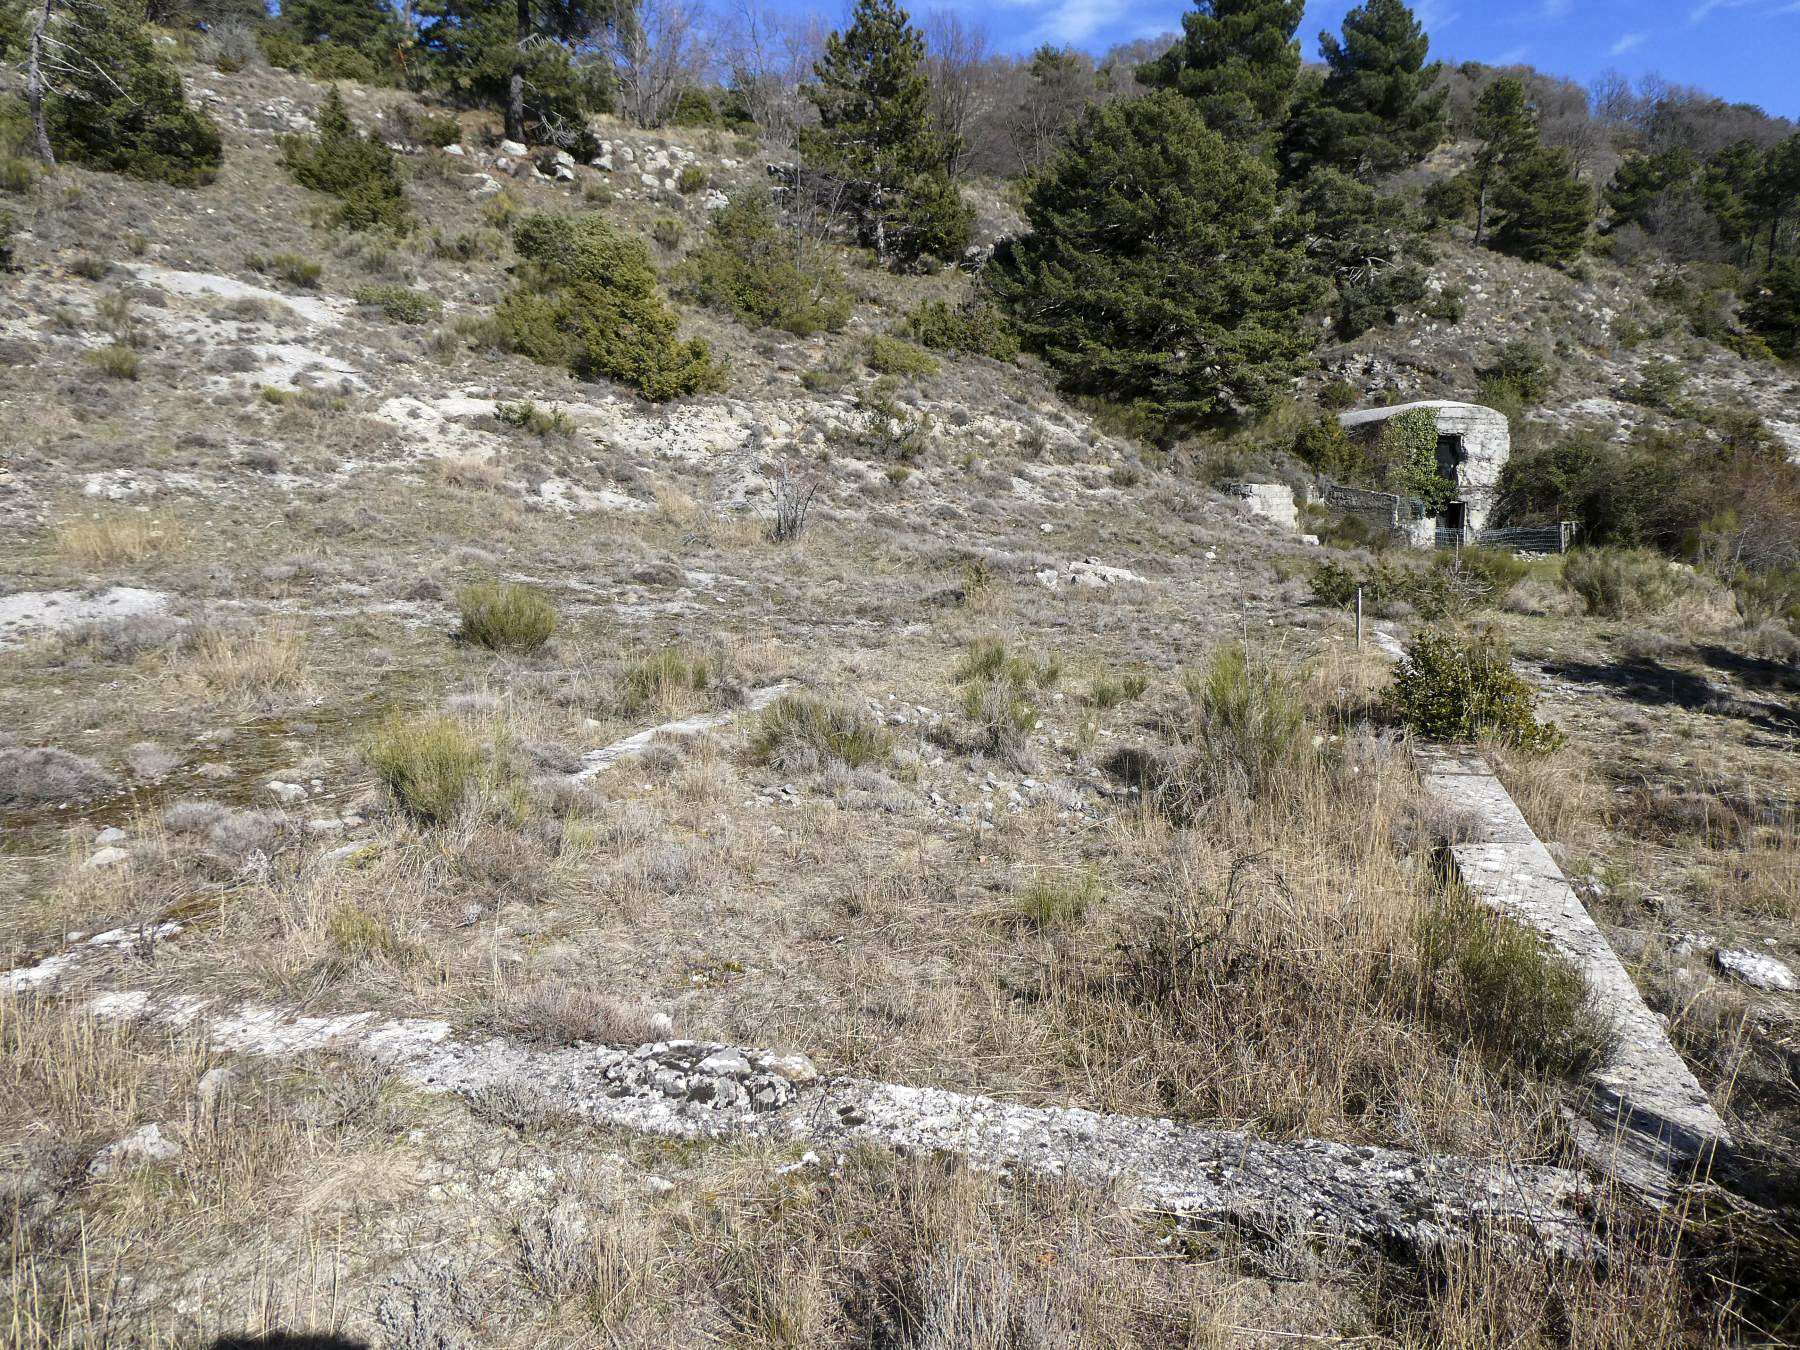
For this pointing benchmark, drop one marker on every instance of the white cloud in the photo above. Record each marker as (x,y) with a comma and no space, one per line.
(1512,56)
(1627,42)
(1556,9)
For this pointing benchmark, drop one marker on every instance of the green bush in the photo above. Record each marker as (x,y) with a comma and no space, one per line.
(766,275)
(1660,384)
(17,174)
(1520,369)
(587,299)
(975,327)
(357,169)
(1450,687)
(1496,569)
(1772,309)
(116,361)
(694,108)
(335,61)
(691,179)
(1106,692)
(892,356)
(429,765)
(506,618)
(999,690)
(431,129)
(9,226)
(399,303)
(527,416)
(1325,447)
(1427,591)
(289,267)
(1337,395)
(118,105)
(802,732)
(1513,996)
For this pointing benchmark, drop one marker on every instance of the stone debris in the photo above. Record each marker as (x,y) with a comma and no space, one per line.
(1647,1098)
(54,967)
(704,1090)
(1089,572)
(1755,969)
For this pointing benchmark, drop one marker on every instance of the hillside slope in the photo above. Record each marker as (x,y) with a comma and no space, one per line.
(944,798)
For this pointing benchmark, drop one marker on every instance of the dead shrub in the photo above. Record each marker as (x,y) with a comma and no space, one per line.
(253,663)
(564,1013)
(498,866)
(31,775)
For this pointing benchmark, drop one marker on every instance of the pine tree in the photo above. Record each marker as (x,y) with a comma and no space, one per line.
(1361,241)
(359,170)
(1775,194)
(875,140)
(1237,59)
(105,97)
(1376,111)
(514,54)
(1152,274)
(1772,308)
(1507,129)
(1543,211)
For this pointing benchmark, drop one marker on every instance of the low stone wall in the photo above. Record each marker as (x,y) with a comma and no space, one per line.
(698,1089)
(1652,1113)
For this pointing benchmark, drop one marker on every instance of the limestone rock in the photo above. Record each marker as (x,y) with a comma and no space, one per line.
(146,1144)
(1755,969)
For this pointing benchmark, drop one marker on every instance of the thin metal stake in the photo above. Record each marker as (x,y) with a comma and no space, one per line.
(1359,618)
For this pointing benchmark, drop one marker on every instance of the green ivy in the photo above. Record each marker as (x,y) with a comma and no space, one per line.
(1409,444)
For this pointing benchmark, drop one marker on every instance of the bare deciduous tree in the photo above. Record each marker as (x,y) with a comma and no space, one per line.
(668,48)
(767,56)
(793,484)
(956,60)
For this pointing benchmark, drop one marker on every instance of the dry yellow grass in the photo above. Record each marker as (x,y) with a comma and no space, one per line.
(248,663)
(118,536)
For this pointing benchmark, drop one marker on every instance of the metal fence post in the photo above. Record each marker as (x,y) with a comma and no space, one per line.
(1359,618)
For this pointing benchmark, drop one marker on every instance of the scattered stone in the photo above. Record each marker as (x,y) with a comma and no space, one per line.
(214,1086)
(513,150)
(112,834)
(1755,969)
(146,1144)
(286,793)
(655,1185)
(106,857)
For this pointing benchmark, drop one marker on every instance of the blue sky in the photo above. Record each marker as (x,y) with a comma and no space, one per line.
(1745,51)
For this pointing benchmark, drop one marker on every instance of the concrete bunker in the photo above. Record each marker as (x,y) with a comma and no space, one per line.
(1473,444)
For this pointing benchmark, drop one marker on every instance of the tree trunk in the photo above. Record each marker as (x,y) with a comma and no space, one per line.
(34,85)
(1480,210)
(515,94)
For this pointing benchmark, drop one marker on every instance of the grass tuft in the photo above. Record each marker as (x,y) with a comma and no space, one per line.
(803,732)
(505,618)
